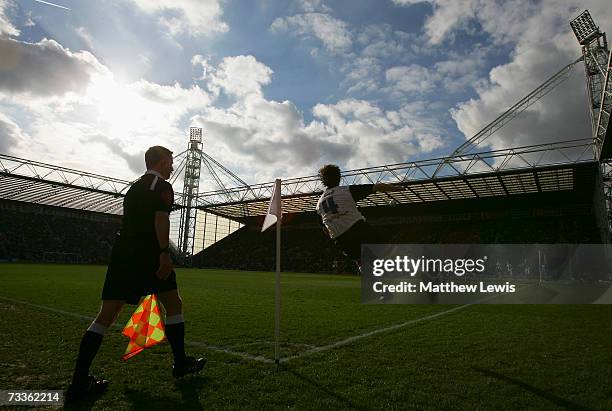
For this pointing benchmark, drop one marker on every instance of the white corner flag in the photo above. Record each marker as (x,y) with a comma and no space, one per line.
(275,208)
(275,215)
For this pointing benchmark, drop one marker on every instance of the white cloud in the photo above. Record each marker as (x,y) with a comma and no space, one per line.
(411,79)
(310,6)
(11,134)
(332,32)
(6,26)
(71,100)
(448,15)
(409,2)
(544,45)
(506,21)
(461,74)
(193,17)
(378,48)
(264,138)
(85,36)
(134,160)
(110,124)
(378,136)
(90,120)
(258,139)
(237,76)
(381,41)
(458,75)
(45,68)
(362,75)
(143,109)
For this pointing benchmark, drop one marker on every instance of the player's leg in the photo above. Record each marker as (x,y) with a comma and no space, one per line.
(175,324)
(175,333)
(90,344)
(354,238)
(366,234)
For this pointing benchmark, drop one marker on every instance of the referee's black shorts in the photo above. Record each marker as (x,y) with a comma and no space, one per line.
(131,271)
(351,240)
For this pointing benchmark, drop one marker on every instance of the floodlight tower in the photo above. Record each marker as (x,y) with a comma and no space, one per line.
(596,62)
(190,193)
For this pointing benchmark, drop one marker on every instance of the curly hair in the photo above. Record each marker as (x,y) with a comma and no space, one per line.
(330,175)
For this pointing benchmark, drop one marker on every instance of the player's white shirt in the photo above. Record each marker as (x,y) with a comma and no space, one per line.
(338,210)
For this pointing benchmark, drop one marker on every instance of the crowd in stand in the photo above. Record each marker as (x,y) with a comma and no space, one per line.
(303,250)
(45,236)
(309,250)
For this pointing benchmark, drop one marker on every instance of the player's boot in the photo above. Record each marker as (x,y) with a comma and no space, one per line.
(191,365)
(90,386)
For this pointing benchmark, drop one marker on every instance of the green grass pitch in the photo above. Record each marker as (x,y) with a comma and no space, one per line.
(478,357)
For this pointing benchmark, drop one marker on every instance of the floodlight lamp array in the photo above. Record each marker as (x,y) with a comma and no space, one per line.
(195,134)
(584,28)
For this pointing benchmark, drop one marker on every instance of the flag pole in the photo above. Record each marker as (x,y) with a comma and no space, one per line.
(278,261)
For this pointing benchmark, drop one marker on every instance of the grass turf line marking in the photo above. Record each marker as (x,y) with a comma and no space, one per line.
(296,356)
(389,328)
(188,342)
(288,344)
(371,333)
(261,358)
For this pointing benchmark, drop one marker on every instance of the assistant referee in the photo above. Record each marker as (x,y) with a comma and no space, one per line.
(140,265)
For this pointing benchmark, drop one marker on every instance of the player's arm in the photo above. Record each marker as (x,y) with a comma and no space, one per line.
(162,231)
(386,187)
(325,230)
(163,206)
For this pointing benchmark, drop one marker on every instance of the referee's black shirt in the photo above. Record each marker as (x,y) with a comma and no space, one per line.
(144,198)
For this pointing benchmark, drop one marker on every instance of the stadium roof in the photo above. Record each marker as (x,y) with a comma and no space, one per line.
(35,182)
(494,184)
(532,169)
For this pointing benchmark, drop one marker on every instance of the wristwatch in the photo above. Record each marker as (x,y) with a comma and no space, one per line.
(164,250)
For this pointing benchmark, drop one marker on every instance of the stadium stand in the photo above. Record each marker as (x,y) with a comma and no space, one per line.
(574,213)
(545,218)
(37,233)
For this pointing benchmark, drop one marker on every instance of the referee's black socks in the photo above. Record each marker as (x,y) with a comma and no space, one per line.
(175,333)
(90,344)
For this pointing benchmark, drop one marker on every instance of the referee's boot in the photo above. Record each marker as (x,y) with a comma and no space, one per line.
(191,365)
(86,388)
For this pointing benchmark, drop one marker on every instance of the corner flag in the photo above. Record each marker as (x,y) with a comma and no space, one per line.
(275,215)
(145,328)
(275,208)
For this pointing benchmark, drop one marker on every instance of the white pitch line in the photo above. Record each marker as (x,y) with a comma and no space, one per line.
(265,359)
(289,344)
(371,333)
(44,307)
(194,343)
(258,358)
(389,328)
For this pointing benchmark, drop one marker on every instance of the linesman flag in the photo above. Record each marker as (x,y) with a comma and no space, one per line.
(145,328)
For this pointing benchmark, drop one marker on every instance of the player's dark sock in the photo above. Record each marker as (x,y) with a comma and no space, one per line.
(175,333)
(90,344)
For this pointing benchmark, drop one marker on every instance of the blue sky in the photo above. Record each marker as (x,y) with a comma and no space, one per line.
(281,87)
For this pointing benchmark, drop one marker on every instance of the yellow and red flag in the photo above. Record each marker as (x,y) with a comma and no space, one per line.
(145,328)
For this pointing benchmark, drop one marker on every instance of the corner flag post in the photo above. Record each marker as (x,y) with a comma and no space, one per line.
(274,215)
(277,302)
(277,299)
